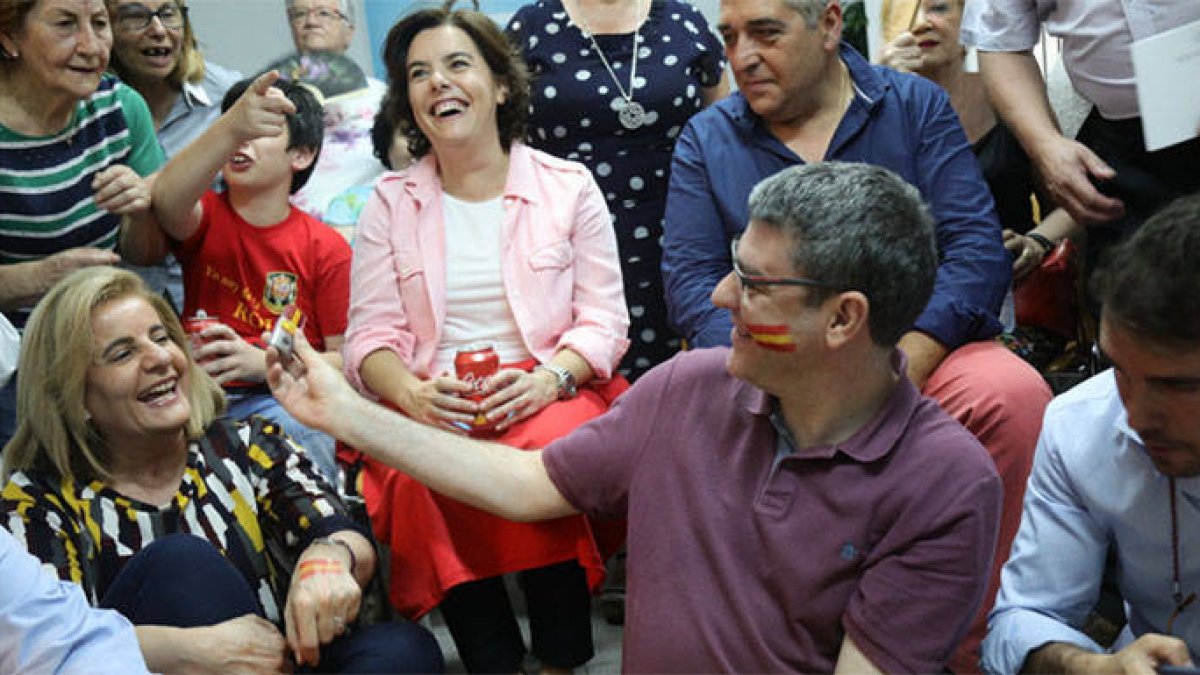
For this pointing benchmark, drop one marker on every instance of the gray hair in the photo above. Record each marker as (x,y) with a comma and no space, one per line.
(856,227)
(810,10)
(346,7)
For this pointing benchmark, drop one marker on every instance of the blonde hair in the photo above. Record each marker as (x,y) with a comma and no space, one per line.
(53,433)
(189,68)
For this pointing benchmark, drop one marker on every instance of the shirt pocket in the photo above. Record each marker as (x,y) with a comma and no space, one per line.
(414,293)
(556,256)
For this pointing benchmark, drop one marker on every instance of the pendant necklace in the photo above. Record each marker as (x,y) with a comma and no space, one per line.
(631,115)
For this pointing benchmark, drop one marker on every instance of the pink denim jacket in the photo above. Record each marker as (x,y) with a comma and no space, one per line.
(562,273)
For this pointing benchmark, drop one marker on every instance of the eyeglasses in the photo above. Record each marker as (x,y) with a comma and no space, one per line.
(755,283)
(321,14)
(136,18)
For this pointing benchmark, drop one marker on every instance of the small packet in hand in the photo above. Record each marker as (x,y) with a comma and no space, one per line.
(283,334)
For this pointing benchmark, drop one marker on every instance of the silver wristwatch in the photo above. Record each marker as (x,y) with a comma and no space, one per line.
(566,380)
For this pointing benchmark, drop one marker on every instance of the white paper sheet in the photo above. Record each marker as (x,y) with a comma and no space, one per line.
(1167,68)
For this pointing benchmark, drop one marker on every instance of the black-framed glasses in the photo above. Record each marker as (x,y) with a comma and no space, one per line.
(752,282)
(321,14)
(136,18)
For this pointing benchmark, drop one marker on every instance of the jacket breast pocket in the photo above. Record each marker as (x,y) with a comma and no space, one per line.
(414,295)
(556,256)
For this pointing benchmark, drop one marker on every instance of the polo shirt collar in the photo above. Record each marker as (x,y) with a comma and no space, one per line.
(871,442)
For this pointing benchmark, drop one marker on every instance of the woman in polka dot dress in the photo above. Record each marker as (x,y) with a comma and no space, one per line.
(593,102)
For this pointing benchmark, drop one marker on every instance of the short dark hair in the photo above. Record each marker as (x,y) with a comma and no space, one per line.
(856,227)
(305,127)
(502,58)
(1150,283)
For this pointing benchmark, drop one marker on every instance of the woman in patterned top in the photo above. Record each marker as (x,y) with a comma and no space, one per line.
(206,533)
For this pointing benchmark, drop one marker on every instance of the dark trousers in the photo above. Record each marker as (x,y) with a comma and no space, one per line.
(1145,181)
(181,580)
(481,620)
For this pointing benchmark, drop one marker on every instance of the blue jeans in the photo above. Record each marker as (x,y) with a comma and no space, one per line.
(318,446)
(182,580)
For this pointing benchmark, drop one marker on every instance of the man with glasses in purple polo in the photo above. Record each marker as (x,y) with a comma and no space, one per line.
(805,96)
(793,503)
(1117,478)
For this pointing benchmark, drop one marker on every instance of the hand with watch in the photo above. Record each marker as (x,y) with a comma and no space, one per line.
(514,394)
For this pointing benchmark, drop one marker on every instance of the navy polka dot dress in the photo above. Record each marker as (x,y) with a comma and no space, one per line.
(573,114)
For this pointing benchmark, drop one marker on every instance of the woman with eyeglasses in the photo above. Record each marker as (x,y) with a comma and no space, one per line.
(156,52)
(75,146)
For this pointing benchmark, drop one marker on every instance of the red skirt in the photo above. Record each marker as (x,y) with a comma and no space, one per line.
(437,542)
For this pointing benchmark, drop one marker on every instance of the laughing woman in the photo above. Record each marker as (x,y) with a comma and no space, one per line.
(483,240)
(206,533)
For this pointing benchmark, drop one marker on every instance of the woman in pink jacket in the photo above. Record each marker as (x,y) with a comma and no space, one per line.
(483,240)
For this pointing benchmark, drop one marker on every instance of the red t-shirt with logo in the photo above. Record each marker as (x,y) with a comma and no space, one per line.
(245,275)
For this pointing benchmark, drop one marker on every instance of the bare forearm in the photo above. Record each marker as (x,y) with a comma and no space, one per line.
(1058,225)
(183,181)
(508,482)
(22,284)
(167,649)
(1058,657)
(143,242)
(572,361)
(924,354)
(1017,92)
(364,555)
(386,375)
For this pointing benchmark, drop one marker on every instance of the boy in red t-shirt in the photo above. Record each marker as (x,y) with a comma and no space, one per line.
(247,253)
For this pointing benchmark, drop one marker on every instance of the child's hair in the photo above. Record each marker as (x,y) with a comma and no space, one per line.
(305,127)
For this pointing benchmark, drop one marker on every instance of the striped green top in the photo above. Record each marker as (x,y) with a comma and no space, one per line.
(46,200)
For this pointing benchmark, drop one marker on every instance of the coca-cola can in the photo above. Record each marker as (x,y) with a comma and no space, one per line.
(474,364)
(195,324)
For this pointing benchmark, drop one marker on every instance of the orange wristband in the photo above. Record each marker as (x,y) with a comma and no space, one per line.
(310,568)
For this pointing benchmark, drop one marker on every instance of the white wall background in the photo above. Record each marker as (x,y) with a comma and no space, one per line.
(246,35)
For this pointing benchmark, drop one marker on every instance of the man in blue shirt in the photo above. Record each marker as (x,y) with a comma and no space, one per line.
(1117,473)
(805,97)
(46,625)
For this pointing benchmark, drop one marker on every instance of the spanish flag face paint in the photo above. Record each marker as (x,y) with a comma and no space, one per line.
(775,337)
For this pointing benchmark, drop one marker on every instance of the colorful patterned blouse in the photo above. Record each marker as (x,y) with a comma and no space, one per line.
(246,489)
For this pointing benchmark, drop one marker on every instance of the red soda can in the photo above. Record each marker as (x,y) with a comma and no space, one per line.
(195,324)
(474,364)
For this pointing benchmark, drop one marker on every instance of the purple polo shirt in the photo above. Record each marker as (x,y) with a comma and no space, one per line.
(742,563)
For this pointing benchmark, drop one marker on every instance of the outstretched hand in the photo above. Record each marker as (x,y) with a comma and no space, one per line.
(309,387)
(262,110)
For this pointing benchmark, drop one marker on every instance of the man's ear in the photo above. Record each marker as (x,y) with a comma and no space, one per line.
(849,316)
(8,48)
(502,95)
(831,25)
(302,158)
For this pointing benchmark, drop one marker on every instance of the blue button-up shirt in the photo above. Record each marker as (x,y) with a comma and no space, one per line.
(901,122)
(46,625)
(1093,490)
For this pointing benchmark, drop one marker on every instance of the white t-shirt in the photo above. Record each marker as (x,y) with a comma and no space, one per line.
(477,309)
